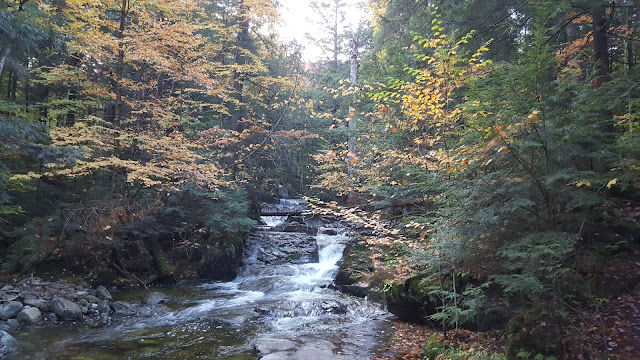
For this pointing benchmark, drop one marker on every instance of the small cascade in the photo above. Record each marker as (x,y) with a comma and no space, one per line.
(281,295)
(292,202)
(273,221)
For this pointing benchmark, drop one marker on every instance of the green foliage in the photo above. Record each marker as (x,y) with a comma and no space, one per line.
(435,350)
(458,308)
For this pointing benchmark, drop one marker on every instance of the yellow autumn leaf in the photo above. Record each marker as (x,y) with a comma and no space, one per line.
(611,183)
(583,183)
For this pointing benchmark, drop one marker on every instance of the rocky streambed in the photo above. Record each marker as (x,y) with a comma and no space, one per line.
(282,305)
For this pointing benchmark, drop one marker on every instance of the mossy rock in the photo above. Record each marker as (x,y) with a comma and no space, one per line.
(527,337)
(356,261)
(411,300)
(222,258)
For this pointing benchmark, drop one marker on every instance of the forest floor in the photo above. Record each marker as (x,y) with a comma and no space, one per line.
(408,340)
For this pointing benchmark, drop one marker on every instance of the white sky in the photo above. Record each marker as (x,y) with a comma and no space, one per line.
(297,20)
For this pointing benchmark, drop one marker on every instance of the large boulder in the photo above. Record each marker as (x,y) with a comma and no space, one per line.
(66,309)
(8,346)
(222,258)
(278,248)
(10,310)
(30,316)
(411,300)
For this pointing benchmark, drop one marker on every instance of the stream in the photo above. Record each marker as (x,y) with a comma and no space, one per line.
(276,308)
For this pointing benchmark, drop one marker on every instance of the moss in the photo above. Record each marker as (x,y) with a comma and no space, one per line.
(527,337)
(294,256)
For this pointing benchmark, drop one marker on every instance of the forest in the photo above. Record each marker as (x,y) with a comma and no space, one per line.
(488,151)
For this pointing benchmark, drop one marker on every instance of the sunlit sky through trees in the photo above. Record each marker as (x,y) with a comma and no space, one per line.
(299,19)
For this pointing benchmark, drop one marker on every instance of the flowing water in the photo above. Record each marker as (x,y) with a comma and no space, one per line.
(286,311)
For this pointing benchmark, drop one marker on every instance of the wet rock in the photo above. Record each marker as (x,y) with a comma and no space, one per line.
(66,309)
(296,227)
(13,324)
(123,308)
(8,346)
(267,346)
(281,248)
(103,307)
(30,316)
(83,303)
(333,307)
(52,318)
(30,281)
(103,293)
(82,293)
(329,231)
(155,298)
(10,310)
(92,299)
(222,259)
(262,311)
(36,302)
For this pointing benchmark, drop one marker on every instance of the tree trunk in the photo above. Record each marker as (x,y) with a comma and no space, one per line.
(240,59)
(336,40)
(600,40)
(14,85)
(124,12)
(9,84)
(3,59)
(630,58)
(351,145)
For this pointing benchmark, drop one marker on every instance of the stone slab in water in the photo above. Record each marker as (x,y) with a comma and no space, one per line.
(272,345)
(307,349)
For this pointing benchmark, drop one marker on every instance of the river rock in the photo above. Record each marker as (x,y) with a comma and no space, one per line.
(329,231)
(92,299)
(8,345)
(103,293)
(103,307)
(155,298)
(281,248)
(296,227)
(333,307)
(123,308)
(10,310)
(51,318)
(36,302)
(30,316)
(66,309)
